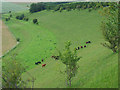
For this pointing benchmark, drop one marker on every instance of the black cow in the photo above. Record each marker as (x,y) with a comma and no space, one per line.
(42,60)
(78,48)
(39,62)
(85,46)
(89,41)
(36,63)
(81,46)
(55,57)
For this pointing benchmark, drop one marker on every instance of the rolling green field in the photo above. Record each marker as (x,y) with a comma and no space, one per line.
(98,67)
(14,7)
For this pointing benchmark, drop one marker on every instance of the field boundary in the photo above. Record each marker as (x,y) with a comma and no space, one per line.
(10,49)
(13,46)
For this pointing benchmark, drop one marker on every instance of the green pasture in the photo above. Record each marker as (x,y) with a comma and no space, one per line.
(98,67)
(9,6)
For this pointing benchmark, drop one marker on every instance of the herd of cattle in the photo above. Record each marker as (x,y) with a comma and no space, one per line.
(57,57)
(36,63)
(83,46)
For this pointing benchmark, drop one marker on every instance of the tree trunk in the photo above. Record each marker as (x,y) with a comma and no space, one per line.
(114,50)
(66,82)
(70,83)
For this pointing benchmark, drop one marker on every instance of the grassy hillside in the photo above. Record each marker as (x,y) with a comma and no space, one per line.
(98,65)
(9,6)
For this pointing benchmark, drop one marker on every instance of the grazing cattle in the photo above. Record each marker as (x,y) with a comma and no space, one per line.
(86,42)
(85,46)
(43,65)
(39,62)
(81,46)
(78,48)
(42,60)
(55,57)
(36,63)
(52,56)
(89,41)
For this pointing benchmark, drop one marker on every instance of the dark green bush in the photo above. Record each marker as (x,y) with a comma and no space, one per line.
(90,9)
(6,19)
(9,11)
(10,15)
(18,39)
(35,21)
(17,17)
(21,17)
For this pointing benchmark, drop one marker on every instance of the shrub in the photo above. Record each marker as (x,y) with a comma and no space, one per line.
(10,15)
(18,39)
(6,19)
(35,21)
(21,17)
(26,19)
(17,17)
(90,9)
(9,11)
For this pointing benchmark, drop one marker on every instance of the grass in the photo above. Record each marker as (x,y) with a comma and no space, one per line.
(98,65)
(9,6)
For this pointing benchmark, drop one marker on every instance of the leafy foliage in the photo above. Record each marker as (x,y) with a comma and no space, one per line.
(36,7)
(11,74)
(70,59)
(109,26)
(35,21)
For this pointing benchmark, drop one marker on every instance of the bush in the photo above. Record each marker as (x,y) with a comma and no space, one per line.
(7,19)
(10,15)
(9,11)
(17,17)
(21,17)
(35,21)
(90,9)
(18,39)
(26,19)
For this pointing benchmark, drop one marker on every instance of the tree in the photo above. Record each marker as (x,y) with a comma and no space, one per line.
(70,59)
(6,19)
(109,27)
(9,11)
(10,15)
(78,7)
(17,17)
(35,21)
(11,74)
(21,17)
(18,39)
(90,9)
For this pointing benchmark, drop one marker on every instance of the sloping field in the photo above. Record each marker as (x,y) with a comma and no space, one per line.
(8,40)
(0,38)
(98,67)
(9,6)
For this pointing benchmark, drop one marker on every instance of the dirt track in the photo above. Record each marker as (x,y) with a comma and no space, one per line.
(7,40)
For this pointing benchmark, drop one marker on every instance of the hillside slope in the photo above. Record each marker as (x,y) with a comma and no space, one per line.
(10,6)
(98,65)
